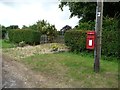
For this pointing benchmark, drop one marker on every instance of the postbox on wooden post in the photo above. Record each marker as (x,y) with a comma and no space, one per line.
(90,40)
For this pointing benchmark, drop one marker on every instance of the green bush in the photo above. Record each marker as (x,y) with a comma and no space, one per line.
(110,43)
(54,47)
(86,26)
(3,34)
(21,44)
(76,40)
(29,36)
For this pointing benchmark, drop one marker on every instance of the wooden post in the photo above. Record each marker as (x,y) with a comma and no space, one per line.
(98,30)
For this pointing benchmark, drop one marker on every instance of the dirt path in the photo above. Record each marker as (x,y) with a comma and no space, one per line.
(17,75)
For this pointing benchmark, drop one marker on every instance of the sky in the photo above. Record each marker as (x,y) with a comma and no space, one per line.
(28,12)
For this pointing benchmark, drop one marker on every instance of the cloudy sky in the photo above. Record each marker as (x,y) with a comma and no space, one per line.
(28,12)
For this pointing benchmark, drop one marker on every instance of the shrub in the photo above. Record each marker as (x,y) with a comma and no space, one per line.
(29,36)
(3,34)
(54,47)
(76,40)
(21,44)
(110,43)
(90,25)
(7,40)
(110,37)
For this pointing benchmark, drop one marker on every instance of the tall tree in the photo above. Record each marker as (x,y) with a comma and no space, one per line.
(87,10)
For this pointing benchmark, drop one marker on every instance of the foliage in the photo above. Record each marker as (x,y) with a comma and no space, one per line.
(6,44)
(75,39)
(12,27)
(24,27)
(81,9)
(3,31)
(47,28)
(29,36)
(41,26)
(21,44)
(6,40)
(110,34)
(87,10)
(90,25)
(44,28)
(54,47)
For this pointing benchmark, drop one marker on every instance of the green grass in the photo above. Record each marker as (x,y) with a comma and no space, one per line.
(6,44)
(75,69)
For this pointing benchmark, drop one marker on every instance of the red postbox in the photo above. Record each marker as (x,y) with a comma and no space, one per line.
(90,40)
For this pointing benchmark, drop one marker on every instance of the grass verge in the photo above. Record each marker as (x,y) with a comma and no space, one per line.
(6,44)
(75,69)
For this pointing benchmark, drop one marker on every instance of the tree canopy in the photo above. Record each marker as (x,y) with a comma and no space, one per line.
(43,27)
(87,10)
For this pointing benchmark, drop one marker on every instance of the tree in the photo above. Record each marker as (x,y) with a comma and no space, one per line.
(87,10)
(12,27)
(41,26)
(2,31)
(24,27)
(51,32)
(33,27)
(45,28)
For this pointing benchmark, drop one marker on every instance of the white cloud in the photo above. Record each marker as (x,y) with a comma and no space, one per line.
(29,12)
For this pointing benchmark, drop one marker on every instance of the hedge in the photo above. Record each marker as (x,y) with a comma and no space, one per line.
(29,36)
(76,40)
(110,43)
